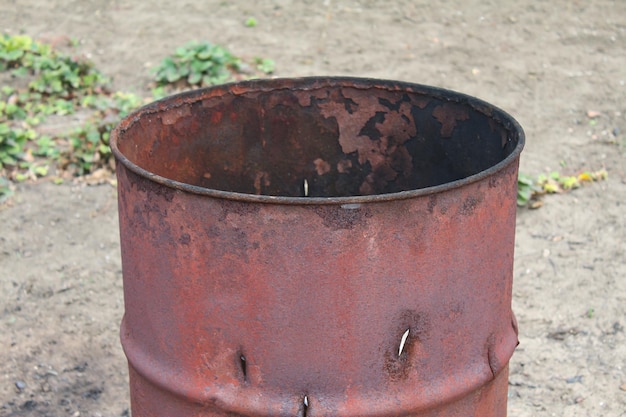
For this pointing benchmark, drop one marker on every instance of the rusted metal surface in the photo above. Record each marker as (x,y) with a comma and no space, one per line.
(385,291)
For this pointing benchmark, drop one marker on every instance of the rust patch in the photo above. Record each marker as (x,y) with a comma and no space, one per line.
(151,188)
(377,133)
(184,239)
(420,101)
(398,366)
(432,202)
(230,242)
(397,124)
(237,207)
(337,217)
(344,166)
(448,114)
(172,115)
(469,204)
(261,181)
(321,167)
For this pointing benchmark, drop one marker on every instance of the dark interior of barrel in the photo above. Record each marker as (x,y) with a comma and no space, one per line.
(337,141)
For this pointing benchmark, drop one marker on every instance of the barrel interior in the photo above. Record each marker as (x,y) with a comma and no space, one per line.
(335,140)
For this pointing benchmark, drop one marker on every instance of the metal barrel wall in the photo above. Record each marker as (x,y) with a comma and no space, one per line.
(318,247)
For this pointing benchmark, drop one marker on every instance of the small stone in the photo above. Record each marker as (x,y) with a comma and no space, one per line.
(592,114)
(29,405)
(577,378)
(20,385)
(623,387)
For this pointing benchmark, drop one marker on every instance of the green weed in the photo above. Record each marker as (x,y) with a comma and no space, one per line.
(202,64)
(57,85)
(49,82)
(12,144)
(89,144)
(530,190)
(197,64)
(52,72)
(6,189)
(265,65)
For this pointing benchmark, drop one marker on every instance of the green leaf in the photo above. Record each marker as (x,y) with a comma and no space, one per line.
(205,54)
(525,179)
(104,149)
(172,75)
(93,136)
(20,72)
(4,130)
(266,65)
(569,182)
(183,71)
(20,177)
(41,171)
(194,78)
(200,66)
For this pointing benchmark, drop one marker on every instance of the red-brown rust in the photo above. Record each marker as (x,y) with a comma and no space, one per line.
(243,297)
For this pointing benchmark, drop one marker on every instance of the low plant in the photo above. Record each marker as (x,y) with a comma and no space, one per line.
(49,82)
(197,64)
(526,189)
(12,144)
(202,64)
(57,84)
(6,189)
(65,77)
(265,65)
(530,190)
(53,73)
(15,50)
(89,144)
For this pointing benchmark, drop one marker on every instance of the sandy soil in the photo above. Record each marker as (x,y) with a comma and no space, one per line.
(547,63)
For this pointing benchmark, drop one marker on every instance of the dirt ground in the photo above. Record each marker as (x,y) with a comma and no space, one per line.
(546,62)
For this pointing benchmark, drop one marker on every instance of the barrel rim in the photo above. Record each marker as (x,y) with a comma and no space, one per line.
(311,83)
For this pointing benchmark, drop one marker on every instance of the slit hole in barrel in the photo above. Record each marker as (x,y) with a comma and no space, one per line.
(305,406)
(244,370)
(403,342)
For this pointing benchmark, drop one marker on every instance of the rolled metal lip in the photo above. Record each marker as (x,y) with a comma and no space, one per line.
(313,83)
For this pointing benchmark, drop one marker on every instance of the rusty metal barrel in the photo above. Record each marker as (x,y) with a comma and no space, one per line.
(318,247)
